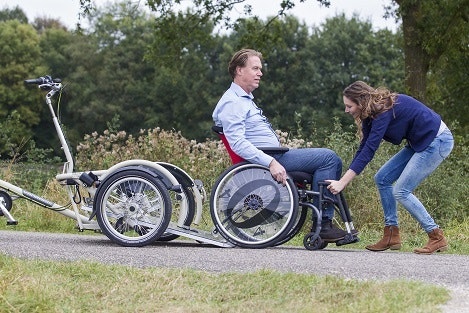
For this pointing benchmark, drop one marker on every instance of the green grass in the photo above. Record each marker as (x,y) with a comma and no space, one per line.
(43,286)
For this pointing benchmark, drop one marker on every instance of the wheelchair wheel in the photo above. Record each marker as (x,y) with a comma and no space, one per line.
(181,204)
(314,242)
(300,221)
(250,209)
(133,208)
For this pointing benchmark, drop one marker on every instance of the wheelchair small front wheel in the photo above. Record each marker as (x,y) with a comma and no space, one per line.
(313,242)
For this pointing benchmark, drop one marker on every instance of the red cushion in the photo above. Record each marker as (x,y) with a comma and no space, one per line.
(235,159)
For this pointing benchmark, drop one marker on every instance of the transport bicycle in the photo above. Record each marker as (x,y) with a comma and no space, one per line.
(137,202)
(131,202)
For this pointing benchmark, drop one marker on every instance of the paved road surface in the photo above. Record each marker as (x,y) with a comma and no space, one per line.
(451,271)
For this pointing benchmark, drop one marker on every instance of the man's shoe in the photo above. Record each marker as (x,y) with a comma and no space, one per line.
(330,233)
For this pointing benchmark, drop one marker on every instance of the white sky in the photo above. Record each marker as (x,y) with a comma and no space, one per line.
(310,11)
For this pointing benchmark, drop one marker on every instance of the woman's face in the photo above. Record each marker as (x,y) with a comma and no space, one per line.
(351,108)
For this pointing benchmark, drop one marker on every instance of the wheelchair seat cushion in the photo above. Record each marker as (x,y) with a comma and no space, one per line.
(301,177)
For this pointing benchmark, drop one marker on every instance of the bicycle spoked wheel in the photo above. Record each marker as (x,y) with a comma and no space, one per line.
(133,208)
(250,209)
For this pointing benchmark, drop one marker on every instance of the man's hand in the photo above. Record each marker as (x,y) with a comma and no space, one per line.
(278,172)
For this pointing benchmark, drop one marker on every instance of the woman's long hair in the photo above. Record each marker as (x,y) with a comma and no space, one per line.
(370,101)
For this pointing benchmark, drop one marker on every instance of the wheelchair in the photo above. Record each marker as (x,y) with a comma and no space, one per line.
(252,210)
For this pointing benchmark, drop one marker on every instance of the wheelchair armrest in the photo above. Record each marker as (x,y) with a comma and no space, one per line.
(267,150)
(273,150)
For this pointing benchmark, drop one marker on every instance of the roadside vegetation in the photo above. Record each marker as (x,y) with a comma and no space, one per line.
(43,286)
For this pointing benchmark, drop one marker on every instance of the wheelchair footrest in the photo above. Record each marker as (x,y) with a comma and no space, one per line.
(348,239)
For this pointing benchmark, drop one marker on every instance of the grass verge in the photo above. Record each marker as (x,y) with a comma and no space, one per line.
(44,286)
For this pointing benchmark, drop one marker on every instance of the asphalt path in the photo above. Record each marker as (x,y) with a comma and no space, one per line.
(447,270)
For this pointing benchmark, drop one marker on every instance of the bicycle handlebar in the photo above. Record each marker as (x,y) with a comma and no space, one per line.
(42,80)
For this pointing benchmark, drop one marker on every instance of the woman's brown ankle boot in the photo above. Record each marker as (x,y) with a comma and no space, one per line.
(436,242)
(391,240)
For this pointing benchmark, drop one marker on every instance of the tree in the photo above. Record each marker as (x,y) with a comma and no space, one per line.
(339,52)
(13,14)
(431,28)
(179,82)
(41,24)
(305,73)
(108,74)
(19,60)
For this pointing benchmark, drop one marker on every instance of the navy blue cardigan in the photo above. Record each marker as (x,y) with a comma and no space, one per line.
(409,119)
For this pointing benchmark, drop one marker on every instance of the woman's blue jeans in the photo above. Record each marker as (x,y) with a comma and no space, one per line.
(406,170)
(322,163)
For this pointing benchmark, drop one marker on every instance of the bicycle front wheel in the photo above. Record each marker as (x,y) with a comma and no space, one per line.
(133,208)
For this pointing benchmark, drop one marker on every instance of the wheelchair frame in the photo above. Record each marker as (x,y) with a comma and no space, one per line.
(300,183)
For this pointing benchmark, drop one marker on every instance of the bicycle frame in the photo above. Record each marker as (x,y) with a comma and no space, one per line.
(83,221)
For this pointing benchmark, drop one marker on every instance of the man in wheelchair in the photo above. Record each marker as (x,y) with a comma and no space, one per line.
(246,129)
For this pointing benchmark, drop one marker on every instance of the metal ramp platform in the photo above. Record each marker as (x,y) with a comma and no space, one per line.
(199,235)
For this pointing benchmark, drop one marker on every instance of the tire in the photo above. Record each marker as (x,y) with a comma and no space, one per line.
(177,202)
(314,242)
(7,201)
(301,219)
(250,209)
(133,208)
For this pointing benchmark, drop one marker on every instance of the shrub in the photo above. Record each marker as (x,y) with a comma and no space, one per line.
(443,193)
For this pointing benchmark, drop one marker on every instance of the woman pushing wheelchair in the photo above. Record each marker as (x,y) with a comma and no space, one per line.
(382,114)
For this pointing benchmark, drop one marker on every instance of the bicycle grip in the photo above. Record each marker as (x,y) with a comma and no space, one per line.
(36,81)
(42,80)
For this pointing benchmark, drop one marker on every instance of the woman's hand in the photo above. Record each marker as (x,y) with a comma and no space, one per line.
(335,186)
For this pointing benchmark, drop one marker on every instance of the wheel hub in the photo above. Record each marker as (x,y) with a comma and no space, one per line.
(253,202)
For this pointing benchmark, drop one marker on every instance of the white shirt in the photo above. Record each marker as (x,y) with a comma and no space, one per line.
(244,125)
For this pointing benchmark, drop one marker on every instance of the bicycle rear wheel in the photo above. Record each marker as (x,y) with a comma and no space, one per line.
(250,209)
